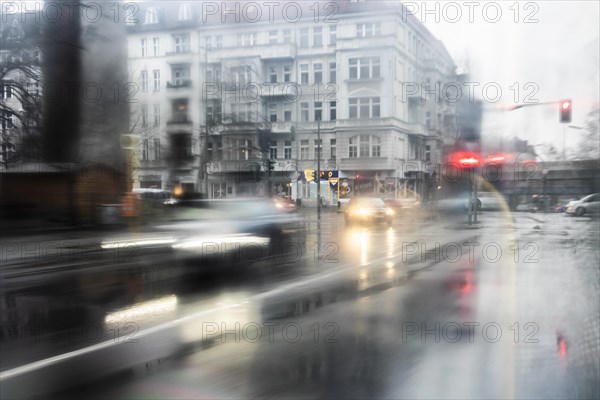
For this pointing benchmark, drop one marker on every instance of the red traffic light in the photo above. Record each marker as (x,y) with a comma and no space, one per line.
(465,159)
(564,109)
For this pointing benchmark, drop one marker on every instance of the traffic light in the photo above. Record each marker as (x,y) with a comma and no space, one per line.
(565,108)
(271,165)
(309,175)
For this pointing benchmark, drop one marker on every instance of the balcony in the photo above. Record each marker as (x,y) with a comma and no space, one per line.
(236,166)
(239,127)
(281,51)
(179,123)
(277,51)
(287,90)
(186,83)
(366,163)
(417,129)
(281,127)
(182,57)
(375,42)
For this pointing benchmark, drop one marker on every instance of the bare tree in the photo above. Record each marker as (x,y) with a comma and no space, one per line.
(20,89)
(589,145)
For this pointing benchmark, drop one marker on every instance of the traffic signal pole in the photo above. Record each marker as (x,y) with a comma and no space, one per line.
(318,177)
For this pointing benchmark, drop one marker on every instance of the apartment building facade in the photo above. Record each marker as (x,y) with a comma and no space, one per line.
(20,89)
(225,95)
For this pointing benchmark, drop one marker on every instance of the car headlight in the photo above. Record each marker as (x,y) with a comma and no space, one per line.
(361,212)
(389,211)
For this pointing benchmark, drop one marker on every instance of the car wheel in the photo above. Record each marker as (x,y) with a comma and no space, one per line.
(580,211)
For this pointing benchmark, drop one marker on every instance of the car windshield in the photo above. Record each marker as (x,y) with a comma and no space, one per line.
(368,202)
(299,199)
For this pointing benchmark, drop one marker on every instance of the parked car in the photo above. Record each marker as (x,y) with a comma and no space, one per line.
(368,210)
(586,206)
(490,201)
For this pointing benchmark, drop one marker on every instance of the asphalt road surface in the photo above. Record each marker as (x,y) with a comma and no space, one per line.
(423,309)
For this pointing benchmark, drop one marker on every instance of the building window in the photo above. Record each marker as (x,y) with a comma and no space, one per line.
(332,110)
(287,113)
(317,37)
(246,39)
(156,114)
(304,112)
(209,151)
(273,112)
(151,16)
(304,73)
(332,35)
(180,75)
(287,149)
(272,37)
(318,72)
(208,42)
(352,147)
(185,13)
(287,73)
(364,146)
(332,72)
(144,115)
(219,41)
(428,120)
(156,46)
(144,81)
(368,30)
(273,74)
(213,112)
(364,68)
(143,47)
(156,77)
(182,43)
(375,146)
(427,153)
(6,119)
(287,36)
(304,37)
(145,149)
(157,149)
(304,149)
(333,148)
(364,107)
(240,74)
(273,150)
(318,111)
(180,110)
(6,90)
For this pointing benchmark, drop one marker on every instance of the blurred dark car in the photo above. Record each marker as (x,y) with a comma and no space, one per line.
(368,210)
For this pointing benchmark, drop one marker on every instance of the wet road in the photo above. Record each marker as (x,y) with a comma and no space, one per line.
(418,310)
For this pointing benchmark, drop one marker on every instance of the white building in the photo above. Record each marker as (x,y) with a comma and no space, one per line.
(234,90)
(20,89)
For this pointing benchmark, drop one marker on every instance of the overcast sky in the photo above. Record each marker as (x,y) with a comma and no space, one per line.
(559,54)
